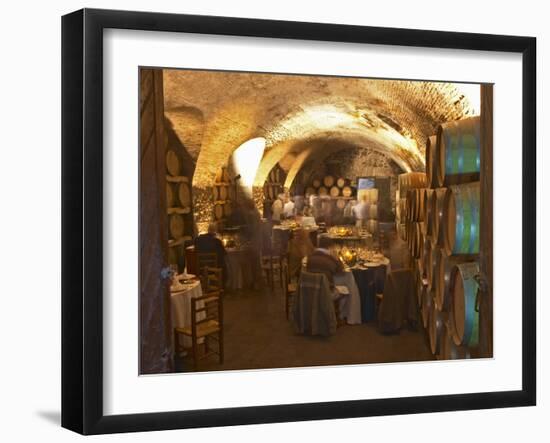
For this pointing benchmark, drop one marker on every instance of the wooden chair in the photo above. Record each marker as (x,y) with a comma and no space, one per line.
(272,264)
(212,280)
(205,259)
(207,324)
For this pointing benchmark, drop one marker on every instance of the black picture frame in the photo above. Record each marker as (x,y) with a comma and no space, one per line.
(82,218)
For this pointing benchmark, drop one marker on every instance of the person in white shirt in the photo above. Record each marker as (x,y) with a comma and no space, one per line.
(361,212)
(289,208)
(277,209)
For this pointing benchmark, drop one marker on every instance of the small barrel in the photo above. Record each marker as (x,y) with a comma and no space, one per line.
(435,329)
(461,219)
(176,226)
(334,191)
(464,309)
(316,183)
(310,190)
(323,191)
(431,166)
(170,199)
(328,181)
(341,182)
(437,235)
(341,203)
(347,191)
(173,165)
(184,195)
(410,180)
(458,152)
(218,211)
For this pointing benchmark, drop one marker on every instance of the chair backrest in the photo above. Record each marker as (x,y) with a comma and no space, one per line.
(205,259)
(212,279)
(206,308)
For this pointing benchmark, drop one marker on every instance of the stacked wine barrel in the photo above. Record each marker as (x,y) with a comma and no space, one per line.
(442,222)
(274,185)
(371,196)
(223,192)
(178,207)
(337,188)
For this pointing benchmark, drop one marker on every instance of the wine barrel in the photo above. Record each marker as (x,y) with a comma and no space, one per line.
(415,211)
(425,257)
(184,195)
(432,268)
(347,191)
(334,191)
(463,308)
(218,211)
(341,182)
(457,152)
(431,166)
(172,163)
(427,301)
(438,198)
(435,329)
(222,175)
(442,278)
(271,192)
(170,200)
(461,219)
(426,206)
(410,180)
(310,190)
(341,203)
(323,190)
(448,349)
(316,183)
(328,181)
(176,226)
(414,238)
(372,226)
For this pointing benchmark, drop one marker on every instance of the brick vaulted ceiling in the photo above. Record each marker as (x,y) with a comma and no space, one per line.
(213,113)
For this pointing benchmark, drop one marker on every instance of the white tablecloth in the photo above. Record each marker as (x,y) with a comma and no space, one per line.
(350,305)
(181,309)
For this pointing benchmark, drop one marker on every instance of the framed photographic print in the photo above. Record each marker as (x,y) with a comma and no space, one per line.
(273,221)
